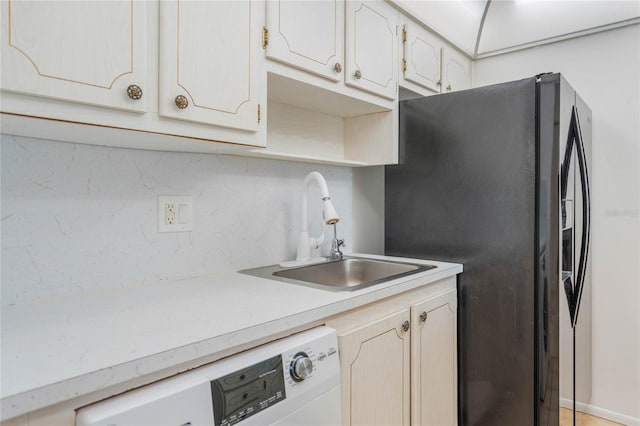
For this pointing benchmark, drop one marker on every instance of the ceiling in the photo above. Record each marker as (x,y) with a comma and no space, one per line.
(487,27)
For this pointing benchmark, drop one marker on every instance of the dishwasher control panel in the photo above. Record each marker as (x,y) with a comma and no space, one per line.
(261,386)
(248,391)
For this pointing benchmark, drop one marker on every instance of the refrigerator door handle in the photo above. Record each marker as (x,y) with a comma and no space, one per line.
(567,213)
(573,283)
(567,222)
(586,213)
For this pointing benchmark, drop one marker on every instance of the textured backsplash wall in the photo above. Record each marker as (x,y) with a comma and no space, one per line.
(79,218)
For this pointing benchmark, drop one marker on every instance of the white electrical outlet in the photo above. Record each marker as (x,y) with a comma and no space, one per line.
(169,214)
(175,214)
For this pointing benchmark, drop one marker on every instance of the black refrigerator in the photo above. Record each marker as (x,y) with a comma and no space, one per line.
(497,178)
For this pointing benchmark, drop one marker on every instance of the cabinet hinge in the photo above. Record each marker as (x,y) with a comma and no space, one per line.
(259,114)
(404,33)
(265,37)
(404,65)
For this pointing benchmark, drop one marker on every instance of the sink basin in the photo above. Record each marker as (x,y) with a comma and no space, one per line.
(347,274)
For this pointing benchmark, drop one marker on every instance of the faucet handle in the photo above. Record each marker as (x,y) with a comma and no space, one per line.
(335,253)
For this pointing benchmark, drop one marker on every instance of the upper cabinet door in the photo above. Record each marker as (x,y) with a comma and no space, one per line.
(211,62)
(371,48)
(92,52)
(456,71)
(422,54)
(308,35)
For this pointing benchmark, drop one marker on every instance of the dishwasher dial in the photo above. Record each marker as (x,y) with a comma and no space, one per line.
(301,367)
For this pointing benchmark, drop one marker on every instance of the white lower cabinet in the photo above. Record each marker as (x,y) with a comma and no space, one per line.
(398,359)
(434,387)
(374,363)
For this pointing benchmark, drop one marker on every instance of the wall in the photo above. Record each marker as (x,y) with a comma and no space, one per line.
(368,210)
(605,69)
(78,218)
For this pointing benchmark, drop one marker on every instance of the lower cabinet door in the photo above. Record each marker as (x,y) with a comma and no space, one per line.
(434,361)
(374,361)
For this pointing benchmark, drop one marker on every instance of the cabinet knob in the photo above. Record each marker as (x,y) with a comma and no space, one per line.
(134,92)
(337,67)
(423,317)
(405,326)
(449,88)
(357,74)
(181,101)
(439,83)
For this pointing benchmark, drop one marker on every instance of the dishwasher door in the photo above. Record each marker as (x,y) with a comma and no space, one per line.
(322,411)
(289,382)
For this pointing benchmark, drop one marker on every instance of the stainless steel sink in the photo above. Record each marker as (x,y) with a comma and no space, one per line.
(350,273)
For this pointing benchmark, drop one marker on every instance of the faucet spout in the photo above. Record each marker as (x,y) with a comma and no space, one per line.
(329,212)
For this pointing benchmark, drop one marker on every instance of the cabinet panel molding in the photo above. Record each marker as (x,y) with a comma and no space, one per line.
(370,362)
(456,71)
(87,52)
(211,69)
(371,51)
(422,57)
(374,362)
(434,361)
(308,35)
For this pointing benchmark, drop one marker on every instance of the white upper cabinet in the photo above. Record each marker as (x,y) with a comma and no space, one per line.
(371,48)
(92,52)
(456,71)
(307,35)
(421,60)
(211,62)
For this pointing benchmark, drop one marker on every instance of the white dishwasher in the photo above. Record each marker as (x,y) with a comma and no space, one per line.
(294,381)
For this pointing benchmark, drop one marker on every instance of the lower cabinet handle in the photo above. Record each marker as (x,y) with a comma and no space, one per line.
(423,317)
(405,326)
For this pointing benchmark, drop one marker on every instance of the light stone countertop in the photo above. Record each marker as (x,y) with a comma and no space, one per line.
(56,351)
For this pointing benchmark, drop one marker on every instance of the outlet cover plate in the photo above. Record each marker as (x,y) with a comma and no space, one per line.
(182,213)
